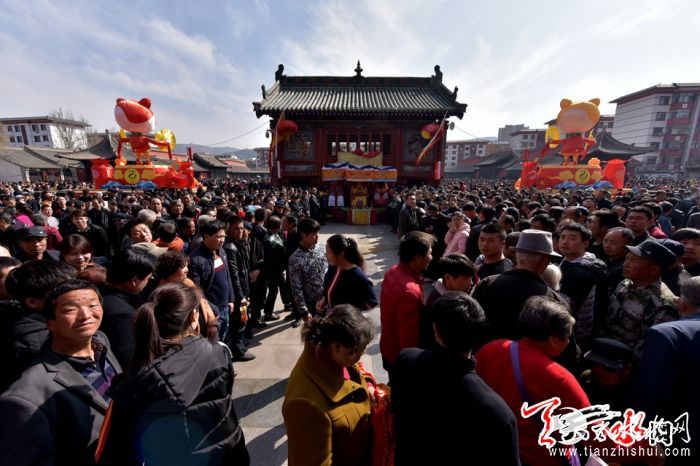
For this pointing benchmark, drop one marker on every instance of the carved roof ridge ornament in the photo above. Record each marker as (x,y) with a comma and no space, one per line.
(358,70)
(437,78)
(279,73)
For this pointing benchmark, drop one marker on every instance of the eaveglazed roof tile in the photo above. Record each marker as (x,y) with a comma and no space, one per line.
(359,96)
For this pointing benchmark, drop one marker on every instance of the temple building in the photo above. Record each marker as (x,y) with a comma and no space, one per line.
(358,119)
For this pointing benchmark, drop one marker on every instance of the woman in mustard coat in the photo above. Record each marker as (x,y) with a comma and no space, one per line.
(327,403)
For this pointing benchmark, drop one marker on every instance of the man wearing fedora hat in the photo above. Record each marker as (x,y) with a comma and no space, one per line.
(502,296)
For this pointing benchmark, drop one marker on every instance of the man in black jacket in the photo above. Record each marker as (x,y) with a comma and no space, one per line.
(31,244)
(238,255)
(216,274)
(127,276)
(582,275)
(409,219)
(79,224)
(98,215)
(465,418)
(503,296)
(22,325)
(54,412)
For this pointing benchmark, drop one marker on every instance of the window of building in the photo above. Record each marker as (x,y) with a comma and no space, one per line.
(673,145)
(682,98)
(660,116)
(45,138)
(651,160)
(17,130)
(9,129)
(35,128)
(654,145)
(37,138)
(344,142)
(12,139)
(663,100)
(658,131)
(43,127)
(680,114)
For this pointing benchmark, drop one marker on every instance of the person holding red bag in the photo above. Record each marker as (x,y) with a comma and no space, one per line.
(327,404)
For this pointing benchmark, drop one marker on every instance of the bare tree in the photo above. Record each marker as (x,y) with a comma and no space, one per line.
(70,136)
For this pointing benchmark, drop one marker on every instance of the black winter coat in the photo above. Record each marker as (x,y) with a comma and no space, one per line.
(177,411)
(446,414)
(502,297)
(118,322)
(22,334)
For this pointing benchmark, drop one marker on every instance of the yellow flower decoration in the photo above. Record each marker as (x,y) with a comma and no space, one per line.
(165,135)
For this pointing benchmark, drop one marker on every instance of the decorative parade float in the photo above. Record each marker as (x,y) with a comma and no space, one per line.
(577,122)
(137,123)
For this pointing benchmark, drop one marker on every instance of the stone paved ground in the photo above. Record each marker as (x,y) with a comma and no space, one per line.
(259,387)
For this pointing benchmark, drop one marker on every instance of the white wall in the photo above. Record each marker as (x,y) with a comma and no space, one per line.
(635,122)
(10,172)
(51,132)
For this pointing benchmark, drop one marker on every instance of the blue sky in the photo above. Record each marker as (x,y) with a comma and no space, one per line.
(202,63)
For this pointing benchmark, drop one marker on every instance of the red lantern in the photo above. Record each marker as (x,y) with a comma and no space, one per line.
(429,130)
(287,127)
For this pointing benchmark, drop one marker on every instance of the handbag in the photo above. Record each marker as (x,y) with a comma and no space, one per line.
(571,458)
(382,422)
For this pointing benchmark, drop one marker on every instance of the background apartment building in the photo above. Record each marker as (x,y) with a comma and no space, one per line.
(664,117)
(457,151)
(527,139)
(44,131)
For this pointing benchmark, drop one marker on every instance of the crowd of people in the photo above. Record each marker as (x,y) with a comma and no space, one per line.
(122,312)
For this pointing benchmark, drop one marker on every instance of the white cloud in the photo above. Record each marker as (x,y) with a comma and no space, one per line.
(511,61)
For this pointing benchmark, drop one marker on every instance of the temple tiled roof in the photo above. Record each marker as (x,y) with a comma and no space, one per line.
(211,161)
(101,150)
(54,156)
(26,159)
(360,96)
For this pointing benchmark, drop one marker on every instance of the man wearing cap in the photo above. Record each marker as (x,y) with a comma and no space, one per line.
(641,300)
(31,245)
(503,296)
(668,383)
(608,380)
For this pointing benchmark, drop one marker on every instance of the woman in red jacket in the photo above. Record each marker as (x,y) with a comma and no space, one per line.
(546,326)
